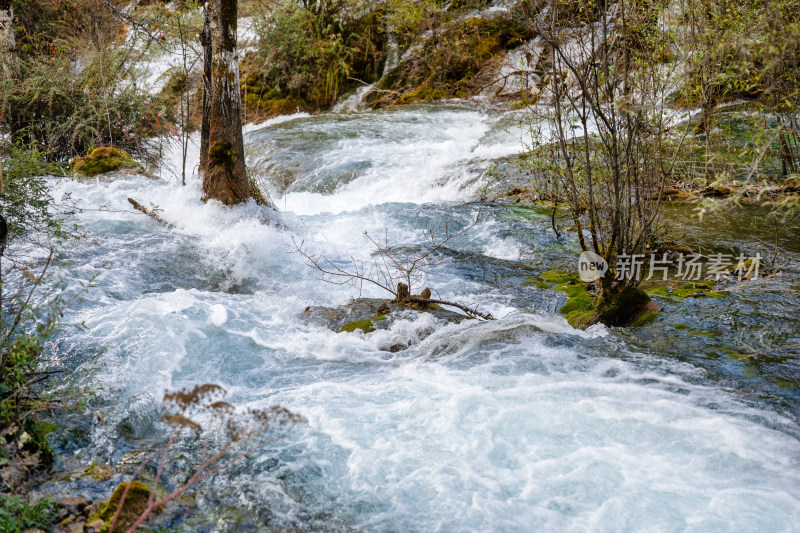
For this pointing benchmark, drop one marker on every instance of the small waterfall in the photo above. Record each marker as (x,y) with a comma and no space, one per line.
(392,54)
(354,102)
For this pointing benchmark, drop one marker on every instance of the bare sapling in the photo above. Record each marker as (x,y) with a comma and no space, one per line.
(395,270)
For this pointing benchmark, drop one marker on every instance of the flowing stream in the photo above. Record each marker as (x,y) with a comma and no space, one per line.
(519,424)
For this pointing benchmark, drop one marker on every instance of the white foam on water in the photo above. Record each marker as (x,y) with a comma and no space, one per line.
(557,447)
(280,119)
(218,315)
(416,157)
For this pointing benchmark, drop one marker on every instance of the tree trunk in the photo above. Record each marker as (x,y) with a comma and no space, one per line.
(205,127)
(225,177)
(8,54)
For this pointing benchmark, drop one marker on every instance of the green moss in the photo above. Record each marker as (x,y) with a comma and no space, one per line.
(135,503)
(698,289)
(366,325)
(558,277)
(103,160)
(681,327)
(221,153)
(580,307)
(645,319)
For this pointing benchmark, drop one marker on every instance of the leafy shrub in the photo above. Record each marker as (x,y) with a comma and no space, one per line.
(308,55)
(25,200)
(67,112)
(17,514)
(73,87)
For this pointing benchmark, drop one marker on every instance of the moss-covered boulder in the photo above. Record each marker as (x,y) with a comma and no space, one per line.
(366,315)
(132,508)
(103,160)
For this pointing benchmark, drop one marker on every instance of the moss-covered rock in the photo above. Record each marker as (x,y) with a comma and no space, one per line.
(132,508)
(580,307)
(370,314)
(103,160)
(631,306)
(626,307)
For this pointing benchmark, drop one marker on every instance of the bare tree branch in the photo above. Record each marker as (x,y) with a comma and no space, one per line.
(395,272)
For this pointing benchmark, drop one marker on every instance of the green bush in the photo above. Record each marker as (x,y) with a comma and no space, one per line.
(308,56)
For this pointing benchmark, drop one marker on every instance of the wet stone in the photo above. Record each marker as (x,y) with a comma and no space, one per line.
(370,314)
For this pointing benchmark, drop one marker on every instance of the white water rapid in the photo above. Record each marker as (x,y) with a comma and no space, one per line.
(521,424)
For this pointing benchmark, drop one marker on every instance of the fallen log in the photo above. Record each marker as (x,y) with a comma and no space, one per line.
(139,207)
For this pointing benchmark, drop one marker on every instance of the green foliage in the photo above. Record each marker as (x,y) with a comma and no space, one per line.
(49,28)
(73,87)
(68,110)
(307,56)
(448,64)
(18,514)
(744,51)
(408,18)
(25,201)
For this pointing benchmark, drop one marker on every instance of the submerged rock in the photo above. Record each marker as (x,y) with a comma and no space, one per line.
(102,161)
(370,314)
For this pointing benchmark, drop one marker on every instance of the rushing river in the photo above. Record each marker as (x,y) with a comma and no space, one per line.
(520,424)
